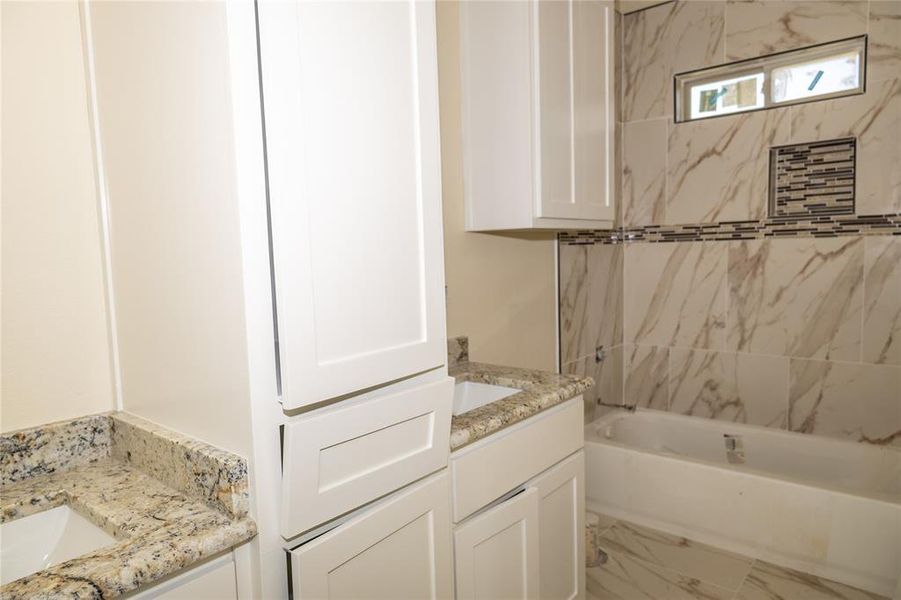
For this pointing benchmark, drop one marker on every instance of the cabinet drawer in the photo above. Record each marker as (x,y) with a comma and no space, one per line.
(492,467)
(340,459)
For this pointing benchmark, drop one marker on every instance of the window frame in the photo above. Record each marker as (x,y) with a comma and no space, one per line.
(685,81)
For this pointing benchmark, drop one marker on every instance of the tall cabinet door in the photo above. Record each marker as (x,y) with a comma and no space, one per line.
(401,548)
(561,517)
(496,552)
(573,41)
(351,114)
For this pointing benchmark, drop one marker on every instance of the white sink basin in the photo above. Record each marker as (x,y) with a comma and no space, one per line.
(35,542)
(470,396)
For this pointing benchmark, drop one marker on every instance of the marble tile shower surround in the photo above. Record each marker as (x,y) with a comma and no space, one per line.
(194,468)
(716,169)
(729,330)
(725,311)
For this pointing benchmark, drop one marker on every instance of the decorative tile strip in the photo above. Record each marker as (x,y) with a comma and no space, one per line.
(776,227)
(816,178)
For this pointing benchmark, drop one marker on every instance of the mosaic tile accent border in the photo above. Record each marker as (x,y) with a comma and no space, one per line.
(814,178)
(821,226)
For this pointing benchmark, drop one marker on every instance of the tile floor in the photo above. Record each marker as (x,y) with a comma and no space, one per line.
(646,564)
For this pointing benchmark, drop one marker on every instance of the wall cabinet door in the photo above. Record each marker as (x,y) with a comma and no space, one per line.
(401,548)
(574,43)
(496,553)
(538,114)
(561,519)
(351,114)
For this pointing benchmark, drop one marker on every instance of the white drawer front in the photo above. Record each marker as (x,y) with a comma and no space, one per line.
(339,460)
(494,466)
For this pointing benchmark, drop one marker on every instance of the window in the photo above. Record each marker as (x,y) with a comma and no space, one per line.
(815,73)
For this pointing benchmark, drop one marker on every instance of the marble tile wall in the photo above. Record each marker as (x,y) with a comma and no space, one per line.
(716,170)
(800,331)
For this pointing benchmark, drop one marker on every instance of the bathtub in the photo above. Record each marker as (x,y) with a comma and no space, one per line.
(820,505)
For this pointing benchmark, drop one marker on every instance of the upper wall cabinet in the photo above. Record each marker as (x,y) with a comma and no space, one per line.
(538,120)
(350,92)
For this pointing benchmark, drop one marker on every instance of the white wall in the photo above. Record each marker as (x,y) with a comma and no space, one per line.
(500,288)
(164,100)
(55,352)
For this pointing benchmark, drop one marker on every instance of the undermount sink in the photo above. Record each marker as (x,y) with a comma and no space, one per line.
(38,541)
(470,396)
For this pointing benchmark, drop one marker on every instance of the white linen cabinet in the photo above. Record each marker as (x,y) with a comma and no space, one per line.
(350,101)
(538,114)
(350,93)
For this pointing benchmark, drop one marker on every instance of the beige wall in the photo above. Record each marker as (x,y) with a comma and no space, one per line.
(500,288)
(175,239)
(55,351)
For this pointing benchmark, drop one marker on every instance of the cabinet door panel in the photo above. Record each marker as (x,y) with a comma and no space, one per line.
(496,553)
(575,74)
(400,548)
(593,116)
(561,518)
(350,97)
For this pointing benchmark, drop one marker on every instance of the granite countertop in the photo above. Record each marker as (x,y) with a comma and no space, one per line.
(540,390)
(170,501)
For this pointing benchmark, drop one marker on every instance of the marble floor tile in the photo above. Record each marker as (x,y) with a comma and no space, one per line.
(718,169)
(884,49)
(661,41)
(854,401)
(769,582)
(691,559)
(798,297)
(675,294)
(645,376)
(623,577)
(882,299)
(874,118)
(758,27)
(644,172)
(742,388)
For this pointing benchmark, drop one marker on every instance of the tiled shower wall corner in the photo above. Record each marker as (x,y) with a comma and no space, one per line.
(798,330)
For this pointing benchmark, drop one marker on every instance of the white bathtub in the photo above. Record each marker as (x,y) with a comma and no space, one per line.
(824,506)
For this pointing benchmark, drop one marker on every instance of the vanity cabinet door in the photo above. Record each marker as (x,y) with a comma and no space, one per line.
(400,548)
(350,93)
(561,518)
(496,552)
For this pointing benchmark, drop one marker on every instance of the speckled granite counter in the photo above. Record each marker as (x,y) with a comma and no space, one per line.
(541,390)
(171,501)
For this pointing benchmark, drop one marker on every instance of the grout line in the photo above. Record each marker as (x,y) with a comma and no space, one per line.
(744,579)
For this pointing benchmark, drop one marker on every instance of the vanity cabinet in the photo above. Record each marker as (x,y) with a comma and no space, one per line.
(538,114)
(525,540)
(212,580)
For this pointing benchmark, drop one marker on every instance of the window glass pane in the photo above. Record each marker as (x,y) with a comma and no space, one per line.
(815,78)
(727,96)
